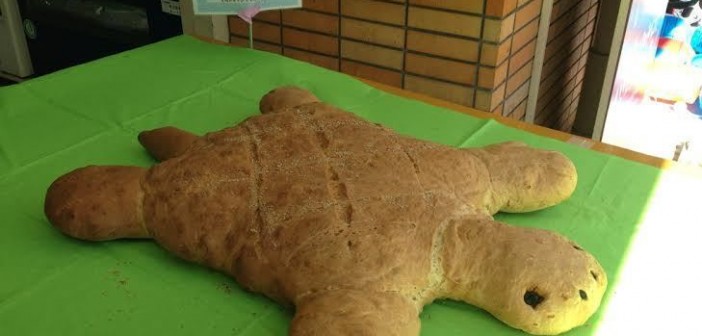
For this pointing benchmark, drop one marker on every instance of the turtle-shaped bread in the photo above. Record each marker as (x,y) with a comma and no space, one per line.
(356,226)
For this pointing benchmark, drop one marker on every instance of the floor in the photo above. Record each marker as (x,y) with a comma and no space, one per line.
(667,131)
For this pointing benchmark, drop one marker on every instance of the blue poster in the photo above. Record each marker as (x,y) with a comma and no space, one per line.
(232,7)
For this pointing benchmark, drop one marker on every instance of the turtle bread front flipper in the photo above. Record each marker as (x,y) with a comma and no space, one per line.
(525,178)
(98,203)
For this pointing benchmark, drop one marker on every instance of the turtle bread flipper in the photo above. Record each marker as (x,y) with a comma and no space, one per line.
(98,203)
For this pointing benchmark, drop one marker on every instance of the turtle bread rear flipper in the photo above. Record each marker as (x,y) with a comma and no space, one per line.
(168,142)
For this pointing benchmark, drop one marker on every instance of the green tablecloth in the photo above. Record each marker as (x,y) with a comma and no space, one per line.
(91,114)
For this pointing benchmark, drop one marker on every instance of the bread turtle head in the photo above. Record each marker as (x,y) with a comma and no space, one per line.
(544,283)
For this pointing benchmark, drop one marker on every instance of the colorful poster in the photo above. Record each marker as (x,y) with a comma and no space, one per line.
(234,7)
(638,51)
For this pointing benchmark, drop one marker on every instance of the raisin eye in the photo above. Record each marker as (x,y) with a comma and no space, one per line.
(583,294)
(532,298)
(594,275)
(577,247)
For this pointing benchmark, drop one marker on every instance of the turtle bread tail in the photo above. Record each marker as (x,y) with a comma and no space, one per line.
(98,203)
(166,142)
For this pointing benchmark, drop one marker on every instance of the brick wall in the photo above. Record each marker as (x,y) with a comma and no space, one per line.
(476,53)
(570,35)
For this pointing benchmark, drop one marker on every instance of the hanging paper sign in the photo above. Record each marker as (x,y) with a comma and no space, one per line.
(247,14)
(244,8)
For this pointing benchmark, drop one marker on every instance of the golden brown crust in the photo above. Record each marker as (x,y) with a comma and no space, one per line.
(323,201)
(194,203)
(359,227)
